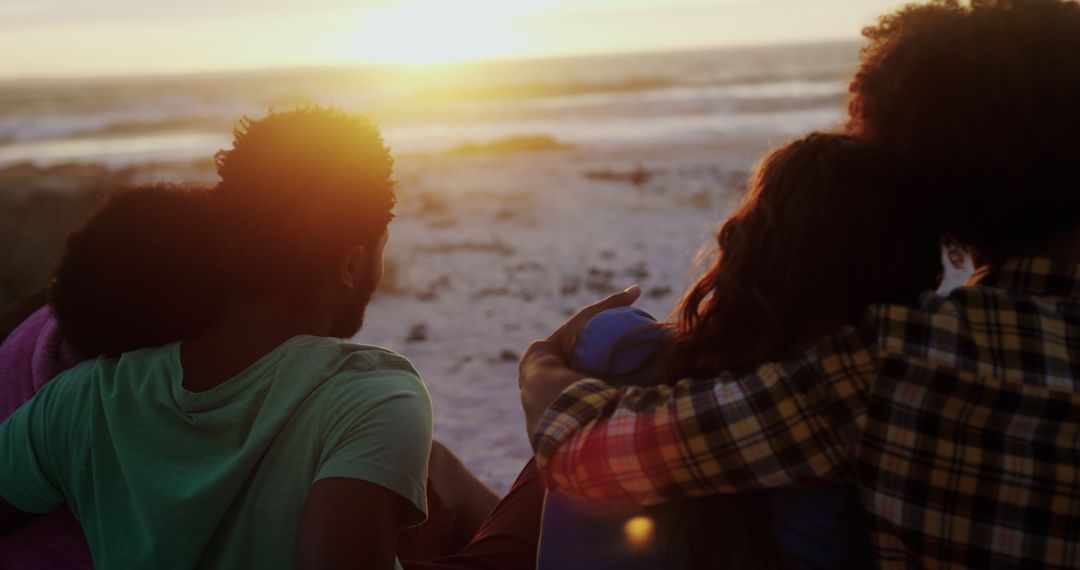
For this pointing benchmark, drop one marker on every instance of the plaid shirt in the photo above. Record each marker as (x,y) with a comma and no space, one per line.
(958,420)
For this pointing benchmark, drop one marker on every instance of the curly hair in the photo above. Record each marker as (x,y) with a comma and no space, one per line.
(140,272)
(979,102)
(298,189)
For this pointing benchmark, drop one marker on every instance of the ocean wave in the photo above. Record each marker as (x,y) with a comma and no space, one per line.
(510,145)
(127,128)
(593,100)
(114,151)
(615,132)
(755,83)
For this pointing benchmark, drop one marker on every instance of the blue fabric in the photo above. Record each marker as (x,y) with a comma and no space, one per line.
(818,528)
(580,535)
(617,343)
(822,527)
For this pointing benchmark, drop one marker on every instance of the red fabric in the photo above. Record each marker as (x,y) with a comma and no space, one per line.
(508,538)
(434,537)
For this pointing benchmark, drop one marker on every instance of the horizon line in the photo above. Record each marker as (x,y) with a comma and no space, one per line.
(285,68)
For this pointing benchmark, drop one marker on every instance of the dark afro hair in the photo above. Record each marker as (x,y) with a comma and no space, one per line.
(140,272)
(300,188)
(981,104)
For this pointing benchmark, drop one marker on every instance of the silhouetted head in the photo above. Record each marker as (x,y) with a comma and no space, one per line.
(979,103)
(140,272)
(823,232)
(307,198)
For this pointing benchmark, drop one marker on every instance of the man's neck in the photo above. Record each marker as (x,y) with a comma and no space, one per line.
(248,330)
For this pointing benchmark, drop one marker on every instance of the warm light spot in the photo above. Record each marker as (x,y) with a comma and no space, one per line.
(437,31)
(639,530)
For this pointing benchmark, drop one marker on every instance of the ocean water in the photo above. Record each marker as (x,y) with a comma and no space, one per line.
(601,101)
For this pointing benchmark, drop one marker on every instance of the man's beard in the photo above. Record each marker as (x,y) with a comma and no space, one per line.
(350,316)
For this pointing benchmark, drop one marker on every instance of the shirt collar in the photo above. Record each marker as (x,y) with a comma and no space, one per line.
(1041,276)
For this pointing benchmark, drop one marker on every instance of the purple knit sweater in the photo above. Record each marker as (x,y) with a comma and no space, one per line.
(29,357)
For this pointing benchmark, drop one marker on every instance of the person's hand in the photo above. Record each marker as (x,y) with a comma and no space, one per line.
(542,376)
(544,373)
(565,337)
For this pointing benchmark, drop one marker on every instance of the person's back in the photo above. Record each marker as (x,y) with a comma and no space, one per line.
(163,477)
(970,442)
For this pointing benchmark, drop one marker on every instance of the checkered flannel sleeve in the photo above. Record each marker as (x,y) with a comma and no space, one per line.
(786,423)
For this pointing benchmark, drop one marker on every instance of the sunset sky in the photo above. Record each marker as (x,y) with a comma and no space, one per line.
(62,38)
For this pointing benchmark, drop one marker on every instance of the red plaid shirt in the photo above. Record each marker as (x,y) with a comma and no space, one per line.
(958,420)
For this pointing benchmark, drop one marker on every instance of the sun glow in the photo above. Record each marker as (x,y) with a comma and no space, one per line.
(438,31)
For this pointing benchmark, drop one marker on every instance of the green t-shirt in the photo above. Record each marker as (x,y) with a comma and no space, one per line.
(160,477)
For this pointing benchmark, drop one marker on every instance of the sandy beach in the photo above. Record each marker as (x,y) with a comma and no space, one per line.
(491,252)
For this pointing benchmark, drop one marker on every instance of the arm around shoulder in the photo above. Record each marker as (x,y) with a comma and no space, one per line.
(784,423)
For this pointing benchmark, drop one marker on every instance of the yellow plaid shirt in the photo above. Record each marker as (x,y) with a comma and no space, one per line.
(958,420)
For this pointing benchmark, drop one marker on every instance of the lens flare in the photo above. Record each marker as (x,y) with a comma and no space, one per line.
(639,530)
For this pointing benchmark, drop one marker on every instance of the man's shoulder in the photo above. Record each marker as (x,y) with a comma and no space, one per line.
(359,380)
(935,314)
(77,390)
(974,303)
(935,319)
(945,326)
(985,330)
(84,374)
(348,362)
(343,349)
(104,378)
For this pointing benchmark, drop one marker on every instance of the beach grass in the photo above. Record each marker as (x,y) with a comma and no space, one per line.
(38,208)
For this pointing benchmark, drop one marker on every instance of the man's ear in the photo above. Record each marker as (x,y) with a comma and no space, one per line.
(354,267)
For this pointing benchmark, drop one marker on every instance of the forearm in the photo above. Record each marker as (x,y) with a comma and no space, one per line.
(599,441)
(465,496)
(782,425)
(350,523)
(543,377)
